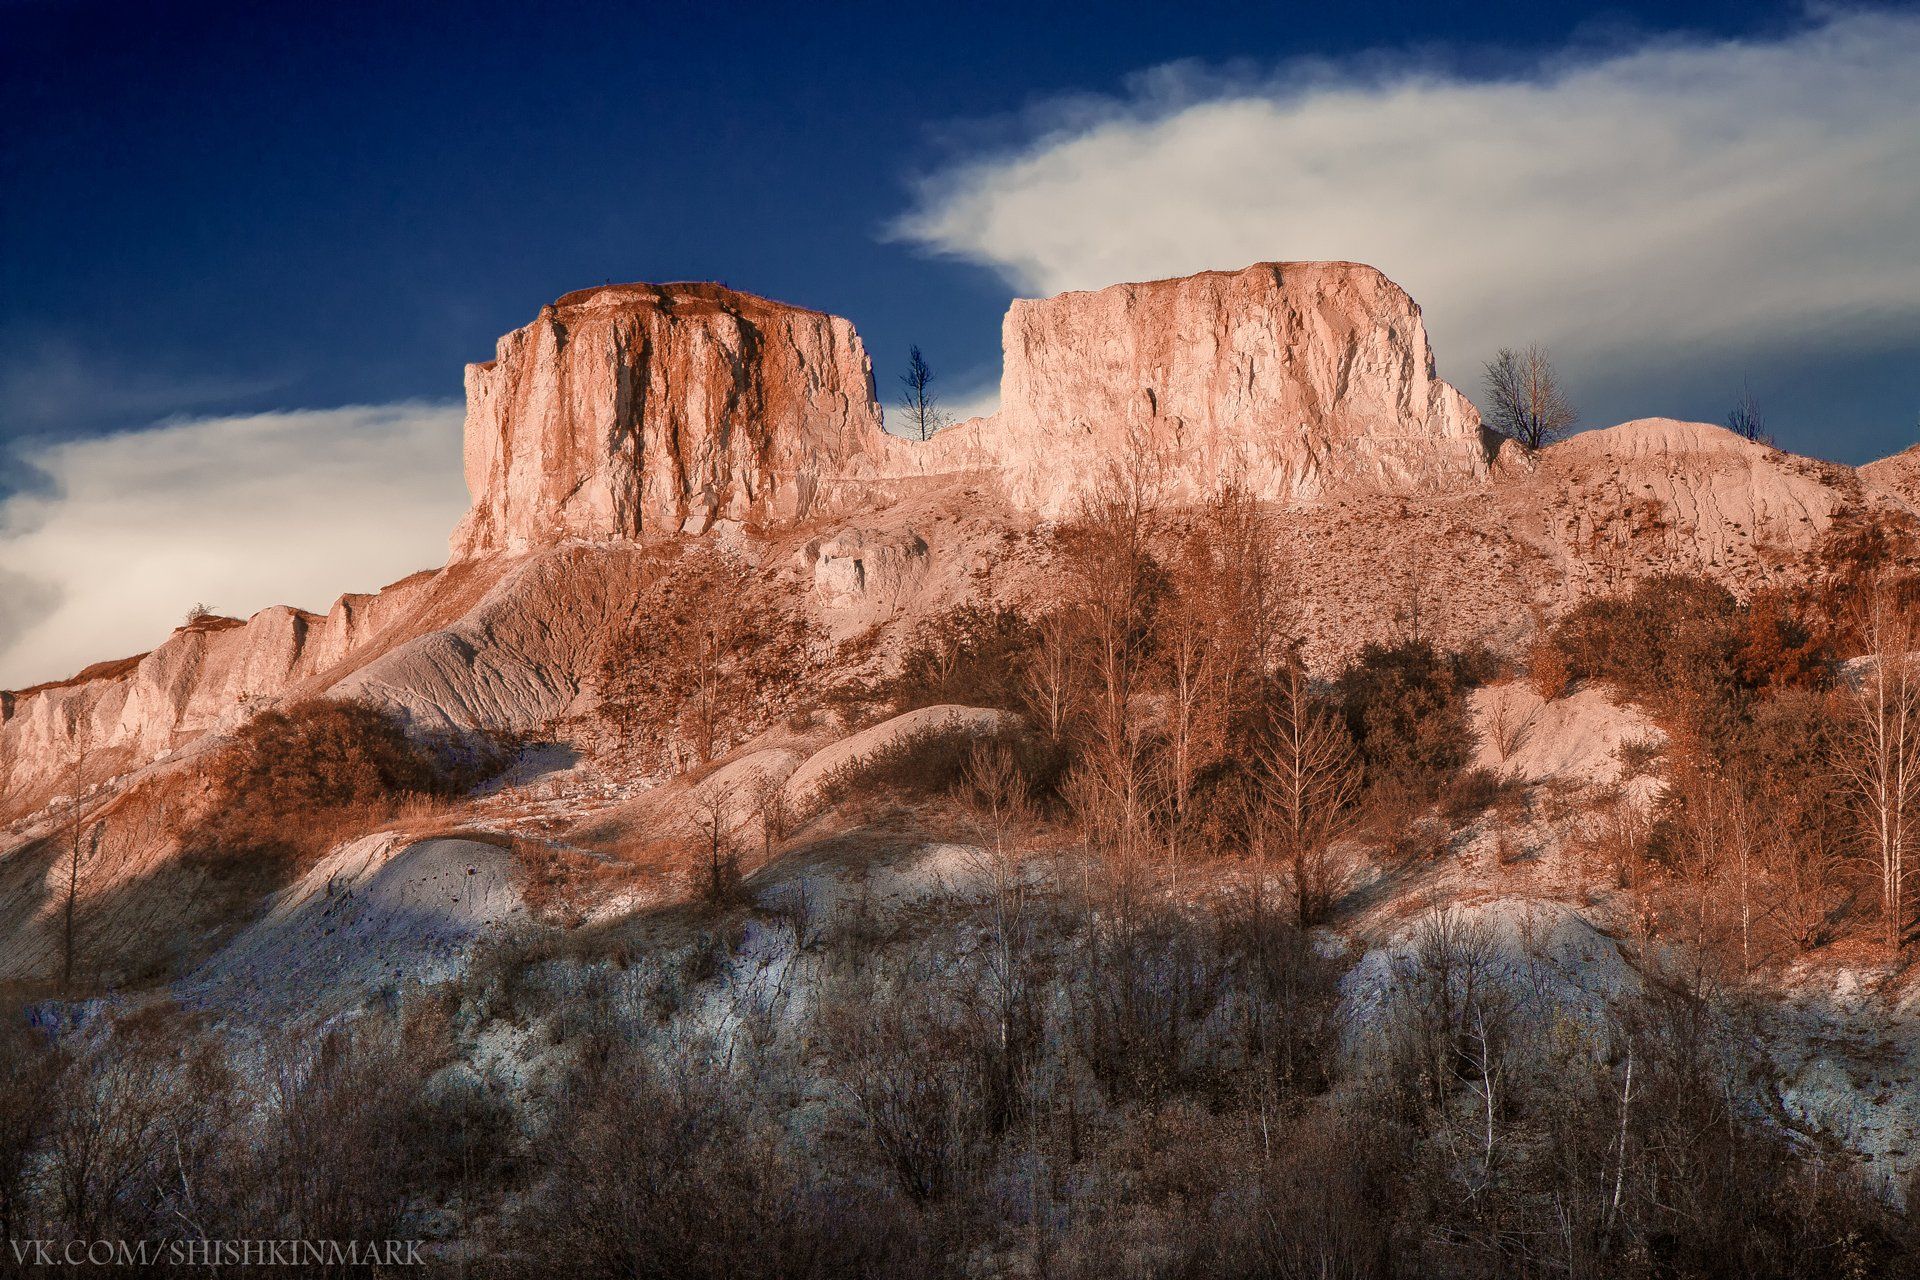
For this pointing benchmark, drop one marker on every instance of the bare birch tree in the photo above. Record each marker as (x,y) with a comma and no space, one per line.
(1111,569)
(918,403)
(1050,683)
(1880,747)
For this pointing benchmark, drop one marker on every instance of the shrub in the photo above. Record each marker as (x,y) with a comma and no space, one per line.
(295,779)
(1686,648)
(1777,649)
(716,647)
(1670,637)
(660,1172)
(1472,792)
(934,762)
(1406,712)
(973,654)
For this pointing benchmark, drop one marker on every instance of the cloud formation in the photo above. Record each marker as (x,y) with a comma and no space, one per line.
(240,513)
(1638,209)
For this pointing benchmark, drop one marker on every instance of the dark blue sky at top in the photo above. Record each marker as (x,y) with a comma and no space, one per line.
(225,208)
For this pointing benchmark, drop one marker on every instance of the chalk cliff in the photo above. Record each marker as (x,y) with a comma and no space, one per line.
(635,409)
(1296,377)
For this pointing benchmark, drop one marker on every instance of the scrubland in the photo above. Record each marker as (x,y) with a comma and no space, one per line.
(1587,957)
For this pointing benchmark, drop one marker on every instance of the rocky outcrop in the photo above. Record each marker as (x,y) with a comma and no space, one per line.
(666,408)
(861,576)
(640,408)
(1295,377)
(206,677)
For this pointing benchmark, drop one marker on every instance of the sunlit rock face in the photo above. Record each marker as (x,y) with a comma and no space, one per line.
(636,409)
(1292,376)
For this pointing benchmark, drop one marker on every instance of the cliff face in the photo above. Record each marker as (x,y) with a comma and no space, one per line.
(660,408)
(1294,376)
(206,677)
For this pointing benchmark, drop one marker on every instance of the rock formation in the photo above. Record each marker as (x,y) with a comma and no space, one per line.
(640,408)
(862,576)
(634,409)
(1294,376)
(1898,475)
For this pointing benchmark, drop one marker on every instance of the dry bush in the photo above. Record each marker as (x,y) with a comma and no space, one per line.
(974,655)
(1324,1206)
(1692,653)
(1548,671)
(714,648)
(136,1127)
(29,1066)
(1406,710)
(1615,834)
(1164,1005)
(934,762)
(910,1060)
(1449,1025)
(661,1171)
(348,1130)
(298,779)
(1472,792)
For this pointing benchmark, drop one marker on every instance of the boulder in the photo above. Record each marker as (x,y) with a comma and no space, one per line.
(860,575)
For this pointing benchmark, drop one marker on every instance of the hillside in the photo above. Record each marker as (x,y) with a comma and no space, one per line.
(1227,812)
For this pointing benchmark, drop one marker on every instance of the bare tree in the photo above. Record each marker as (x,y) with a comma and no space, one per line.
(714,812)
(1880,751)
(917,398)
(1111,569)
(1746,420)
(1524,400)
(1000,806)
(77,833)
(1050,683)
(769,795)
(1219,629)
(1308,777)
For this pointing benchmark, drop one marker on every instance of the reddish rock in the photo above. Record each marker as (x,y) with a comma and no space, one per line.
(640,408)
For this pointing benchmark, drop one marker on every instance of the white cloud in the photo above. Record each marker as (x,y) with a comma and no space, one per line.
(1636,209)
(239,512)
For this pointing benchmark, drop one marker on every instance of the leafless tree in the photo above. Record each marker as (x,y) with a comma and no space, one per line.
(1050,684)
(917,398)
(1000,806)
(714,812)
(1746,420)
(1308,777)
(1110,570)
(1880,747)
(770,806)
(77,838)
(1524,400)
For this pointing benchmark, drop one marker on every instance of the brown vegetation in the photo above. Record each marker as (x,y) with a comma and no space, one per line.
(296,780)
(713,649)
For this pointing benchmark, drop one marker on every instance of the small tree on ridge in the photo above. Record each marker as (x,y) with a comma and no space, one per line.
(1524,400)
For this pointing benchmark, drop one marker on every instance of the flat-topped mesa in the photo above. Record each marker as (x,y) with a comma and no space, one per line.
(642,408)
(1294,376)
(637,409)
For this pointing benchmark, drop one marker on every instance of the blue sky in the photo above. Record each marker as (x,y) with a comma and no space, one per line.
(218,212)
